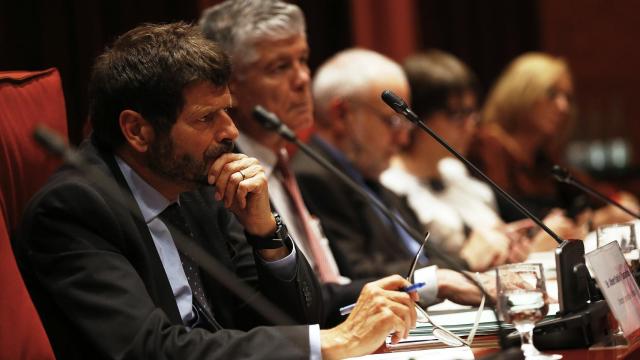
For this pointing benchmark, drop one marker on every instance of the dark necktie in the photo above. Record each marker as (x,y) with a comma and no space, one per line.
(172,217)
(412,245)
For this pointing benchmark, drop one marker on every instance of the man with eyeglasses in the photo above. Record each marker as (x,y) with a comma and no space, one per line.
(459,210)
(269,50)
(268,46)
(359,134)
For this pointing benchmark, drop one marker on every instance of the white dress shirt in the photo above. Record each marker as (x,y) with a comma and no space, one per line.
(464,200)
(282,203)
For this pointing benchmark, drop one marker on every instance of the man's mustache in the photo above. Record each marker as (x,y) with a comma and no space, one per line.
(226,146)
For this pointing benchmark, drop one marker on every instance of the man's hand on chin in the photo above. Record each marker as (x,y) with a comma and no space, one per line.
(241,184)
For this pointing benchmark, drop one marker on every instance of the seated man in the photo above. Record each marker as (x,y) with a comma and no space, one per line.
(102,266)
(261,36)
(268,46)
(358,133)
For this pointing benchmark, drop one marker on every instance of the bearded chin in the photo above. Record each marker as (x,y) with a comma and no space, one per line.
(185,168)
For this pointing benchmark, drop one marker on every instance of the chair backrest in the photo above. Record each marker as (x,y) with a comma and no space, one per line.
(26,100)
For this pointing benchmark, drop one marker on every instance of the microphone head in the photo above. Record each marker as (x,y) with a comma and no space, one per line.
(50,140)
(561,174)
(270,121)
(267,119)
(394,101)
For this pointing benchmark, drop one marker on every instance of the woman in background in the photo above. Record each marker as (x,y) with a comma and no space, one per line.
(524,122)
(457,209)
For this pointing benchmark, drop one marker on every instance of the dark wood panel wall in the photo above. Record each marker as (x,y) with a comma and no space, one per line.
(597,37)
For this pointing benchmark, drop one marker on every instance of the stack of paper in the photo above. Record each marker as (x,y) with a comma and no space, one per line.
(460,323)
(461,353)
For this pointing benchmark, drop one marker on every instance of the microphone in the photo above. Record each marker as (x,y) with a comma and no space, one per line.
(56,145)
(573,286)
(562,175)
(401,107)
(271,122)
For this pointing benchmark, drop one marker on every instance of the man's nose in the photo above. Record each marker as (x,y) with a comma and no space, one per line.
(228,129)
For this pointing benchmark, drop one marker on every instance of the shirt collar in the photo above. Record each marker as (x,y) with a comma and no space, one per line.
(150,201)
(341,159)
(251,147)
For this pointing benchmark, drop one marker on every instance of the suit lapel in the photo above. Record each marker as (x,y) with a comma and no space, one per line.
(380,232)
(141,243)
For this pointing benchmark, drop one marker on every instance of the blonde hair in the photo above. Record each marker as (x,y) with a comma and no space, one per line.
(525,81)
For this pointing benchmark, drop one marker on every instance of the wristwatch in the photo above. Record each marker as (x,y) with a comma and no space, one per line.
(279,238)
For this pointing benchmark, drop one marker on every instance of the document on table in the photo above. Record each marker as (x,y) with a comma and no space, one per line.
(462,353)
(460,323)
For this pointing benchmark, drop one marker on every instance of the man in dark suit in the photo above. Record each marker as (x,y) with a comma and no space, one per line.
(358,133)
(102,266)
(268,46)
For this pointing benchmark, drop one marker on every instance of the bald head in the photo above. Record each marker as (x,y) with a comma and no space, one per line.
(352,74)
(350,114)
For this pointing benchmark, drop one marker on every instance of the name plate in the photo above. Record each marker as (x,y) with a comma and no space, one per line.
(617,285)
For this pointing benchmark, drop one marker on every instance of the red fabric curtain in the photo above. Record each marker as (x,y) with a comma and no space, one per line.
(388,27)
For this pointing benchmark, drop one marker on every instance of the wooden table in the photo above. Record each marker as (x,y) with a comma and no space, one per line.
(631,352)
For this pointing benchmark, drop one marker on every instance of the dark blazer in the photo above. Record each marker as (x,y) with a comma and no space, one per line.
(334,296)
(364,245)
(97,281)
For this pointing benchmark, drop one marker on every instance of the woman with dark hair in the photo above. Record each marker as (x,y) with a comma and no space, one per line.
(459,210)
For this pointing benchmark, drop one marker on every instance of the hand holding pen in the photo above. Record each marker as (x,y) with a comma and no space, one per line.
(346,310)
(381,310)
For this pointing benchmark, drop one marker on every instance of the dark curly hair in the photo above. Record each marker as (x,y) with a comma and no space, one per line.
(146,70)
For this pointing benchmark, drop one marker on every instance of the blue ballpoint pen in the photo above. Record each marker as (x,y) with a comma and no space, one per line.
(346,310)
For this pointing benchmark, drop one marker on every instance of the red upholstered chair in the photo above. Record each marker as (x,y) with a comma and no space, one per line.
(26,99)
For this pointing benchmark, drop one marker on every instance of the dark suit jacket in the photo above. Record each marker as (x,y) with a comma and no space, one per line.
(98,283)
(334,296)
(364,245)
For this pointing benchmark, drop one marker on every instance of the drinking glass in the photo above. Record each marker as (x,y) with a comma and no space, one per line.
(522,302)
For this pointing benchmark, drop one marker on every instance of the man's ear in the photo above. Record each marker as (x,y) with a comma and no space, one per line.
(137,131)
(340,113)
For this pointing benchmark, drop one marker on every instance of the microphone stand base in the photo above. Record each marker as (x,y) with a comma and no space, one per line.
(580,329)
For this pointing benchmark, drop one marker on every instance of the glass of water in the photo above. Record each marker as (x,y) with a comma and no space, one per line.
(522,296)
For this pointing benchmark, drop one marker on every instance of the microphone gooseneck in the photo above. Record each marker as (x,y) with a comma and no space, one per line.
(573,295)
(271,122)
(401,107)
(562,175)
